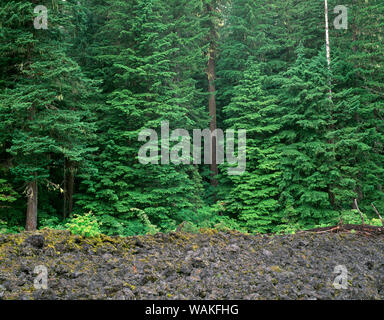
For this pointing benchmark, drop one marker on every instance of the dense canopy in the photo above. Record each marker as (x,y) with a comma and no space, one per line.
(75,95)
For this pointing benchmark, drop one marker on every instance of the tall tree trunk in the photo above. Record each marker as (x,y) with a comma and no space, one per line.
(212,95)
(212,112)
(331,195)
(71,183)
(31,223)
(328,47)
(31,215)
(65,189)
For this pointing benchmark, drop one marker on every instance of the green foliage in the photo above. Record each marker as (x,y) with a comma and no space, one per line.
(6,228)
(151,80)
(7,194)
(84,225)
(353,217)
(74,97)
(210,218)
(307,154)
(288,228)
(375,222)
(255,194)
(3,226)
(50,221)
(151,228)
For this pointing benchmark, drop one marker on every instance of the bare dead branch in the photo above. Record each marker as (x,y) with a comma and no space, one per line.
(377,212)
(358,210)
(329,230)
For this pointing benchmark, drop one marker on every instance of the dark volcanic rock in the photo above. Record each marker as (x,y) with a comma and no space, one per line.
(36,241)
(209,265)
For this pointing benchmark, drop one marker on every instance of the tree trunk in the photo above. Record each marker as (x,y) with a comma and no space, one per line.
(68,186)
(65,189)
(71,183)
(31,223)
(328,47)
(331,127)
(212,97)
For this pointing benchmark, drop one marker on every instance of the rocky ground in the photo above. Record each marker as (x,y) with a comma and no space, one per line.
(210,265)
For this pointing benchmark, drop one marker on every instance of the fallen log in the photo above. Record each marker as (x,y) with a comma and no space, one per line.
(366,229)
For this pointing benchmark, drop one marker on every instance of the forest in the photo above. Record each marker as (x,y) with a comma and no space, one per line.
(81,79)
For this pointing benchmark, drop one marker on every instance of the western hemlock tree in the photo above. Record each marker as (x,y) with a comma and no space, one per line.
(45,101)
(153,50)
(307,154)
(255,194)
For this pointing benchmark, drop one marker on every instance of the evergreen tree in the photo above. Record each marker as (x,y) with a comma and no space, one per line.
(44,107)
(255,194)
(152,50)
(307,156)
(75,97)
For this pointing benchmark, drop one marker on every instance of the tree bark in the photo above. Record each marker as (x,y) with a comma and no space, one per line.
(65,189)
(358,210)
(328,47)
(211,72)
(71,183)
(68,186)
(31,215)
(31,221)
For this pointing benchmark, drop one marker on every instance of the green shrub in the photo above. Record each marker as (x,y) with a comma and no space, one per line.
(150,228)
(5,227)
(352,217)
(50,221)
(210,218)
(288,228)
(84,225)
(7,194)
(375,222)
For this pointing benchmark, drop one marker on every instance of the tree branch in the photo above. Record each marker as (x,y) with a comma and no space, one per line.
(357,208)
(377,212)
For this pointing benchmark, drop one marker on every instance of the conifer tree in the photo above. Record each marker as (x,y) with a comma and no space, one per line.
(152,49)
(43,107)
(255,194)
(307,156)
